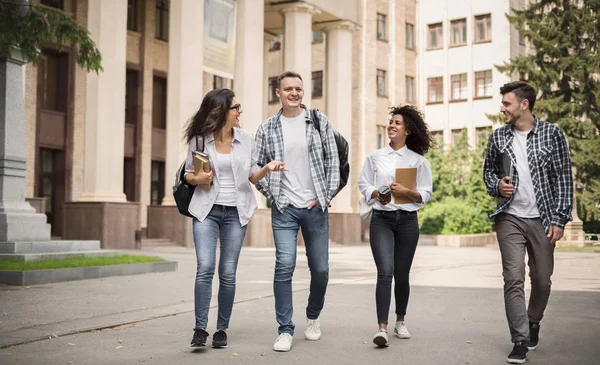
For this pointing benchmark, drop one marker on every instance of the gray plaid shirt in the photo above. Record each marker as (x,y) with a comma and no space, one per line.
(322,153)
(549,164)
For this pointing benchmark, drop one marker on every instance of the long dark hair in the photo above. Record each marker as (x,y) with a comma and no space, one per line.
(211,116)
(419,139)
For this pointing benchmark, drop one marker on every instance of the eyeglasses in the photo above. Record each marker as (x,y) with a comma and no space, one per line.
(237,107)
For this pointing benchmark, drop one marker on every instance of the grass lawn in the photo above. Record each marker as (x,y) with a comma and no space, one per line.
(77,262)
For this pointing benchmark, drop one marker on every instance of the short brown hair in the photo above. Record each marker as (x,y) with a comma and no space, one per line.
(287,74)
(522,90)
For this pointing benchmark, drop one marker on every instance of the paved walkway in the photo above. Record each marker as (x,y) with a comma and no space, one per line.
(456,314)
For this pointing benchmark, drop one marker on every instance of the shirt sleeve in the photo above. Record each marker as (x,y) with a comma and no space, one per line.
(366,183)
(253,158)
(561,164)
(424,181)
(331,159)
(491,170)
(262,159)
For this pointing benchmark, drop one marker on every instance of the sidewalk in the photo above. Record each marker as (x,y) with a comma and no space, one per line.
(456,314)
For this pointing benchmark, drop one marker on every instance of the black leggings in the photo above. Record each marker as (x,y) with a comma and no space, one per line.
(394,237)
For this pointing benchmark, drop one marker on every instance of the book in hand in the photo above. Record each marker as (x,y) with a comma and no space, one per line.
(406,177)
(201,162)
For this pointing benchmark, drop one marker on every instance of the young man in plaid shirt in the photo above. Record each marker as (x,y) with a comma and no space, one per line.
(527,166)
(299,198)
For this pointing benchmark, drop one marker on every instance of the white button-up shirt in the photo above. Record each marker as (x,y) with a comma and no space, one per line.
(387,162)
(243,161)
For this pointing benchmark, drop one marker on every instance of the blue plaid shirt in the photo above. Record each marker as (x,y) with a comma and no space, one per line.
(549,164)
(322,153)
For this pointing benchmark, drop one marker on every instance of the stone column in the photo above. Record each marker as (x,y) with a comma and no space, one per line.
(18,220)
(297,43)
(184,83)
(339,94)
(105,104)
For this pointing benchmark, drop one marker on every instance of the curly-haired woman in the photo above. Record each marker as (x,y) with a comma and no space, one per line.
(394,229)
(224,209)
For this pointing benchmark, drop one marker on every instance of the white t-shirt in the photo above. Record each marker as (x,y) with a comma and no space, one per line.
(227,195)
(523,204)
(297,183)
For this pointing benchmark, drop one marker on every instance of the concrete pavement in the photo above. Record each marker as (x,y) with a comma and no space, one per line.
(456,314)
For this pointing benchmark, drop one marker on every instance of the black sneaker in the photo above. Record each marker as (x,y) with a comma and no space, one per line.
(534,336)
(199,339)
(219,339)
(519,353)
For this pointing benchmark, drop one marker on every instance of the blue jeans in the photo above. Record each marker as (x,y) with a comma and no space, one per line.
(315,230)
(224,221)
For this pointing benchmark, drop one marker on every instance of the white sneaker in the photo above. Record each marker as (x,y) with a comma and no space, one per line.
(313,329)
(381,338)
(401,331)
(283,343)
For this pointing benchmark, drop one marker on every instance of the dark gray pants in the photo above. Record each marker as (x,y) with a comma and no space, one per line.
(515,235)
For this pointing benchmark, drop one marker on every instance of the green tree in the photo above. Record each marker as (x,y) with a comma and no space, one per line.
(565,69)
(30,28)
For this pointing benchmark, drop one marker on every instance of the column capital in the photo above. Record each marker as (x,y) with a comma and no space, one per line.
(299,8)
(337,24)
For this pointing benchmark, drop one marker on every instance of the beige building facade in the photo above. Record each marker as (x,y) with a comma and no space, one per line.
(103,148)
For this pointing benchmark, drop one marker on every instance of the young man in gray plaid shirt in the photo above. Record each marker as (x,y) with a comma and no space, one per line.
(527,166)
(299,198)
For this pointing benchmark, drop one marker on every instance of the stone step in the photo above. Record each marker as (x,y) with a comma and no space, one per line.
(49,246)
(156,242)
(58,255)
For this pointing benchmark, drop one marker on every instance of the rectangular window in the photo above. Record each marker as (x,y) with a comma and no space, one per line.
(410,89)
(434,36)
(218,82)
(483,84)
(438,137)
(131,96)
(456,136)
(435,89)
(162,20)
(483,28)
(381,25)
(381,136)
(381,83)
(157,182)
(129,178)
(410,36)
(458,32)
(275,44)
(53,3)
(458,87)
(482,134)
(317,36)
(317,84)
(273,85)
(133,13)
(159,103)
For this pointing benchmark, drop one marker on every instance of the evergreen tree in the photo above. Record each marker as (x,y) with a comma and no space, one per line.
(564,67)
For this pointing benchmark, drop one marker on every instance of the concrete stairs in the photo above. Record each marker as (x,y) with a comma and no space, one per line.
(52,250)
(157,242)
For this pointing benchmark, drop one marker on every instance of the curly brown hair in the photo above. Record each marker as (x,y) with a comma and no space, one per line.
(419,139)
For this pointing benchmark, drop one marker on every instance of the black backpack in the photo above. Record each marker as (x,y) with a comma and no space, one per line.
(342,147)
(182,191)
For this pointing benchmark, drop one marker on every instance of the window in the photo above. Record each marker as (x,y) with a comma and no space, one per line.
(133,12)
(381,85)
(456,136)
(218,82)
(273,84)
(317,36)
(53,3)
(53,81)
(275,44)
(162,20)
(410,36)
(458,32)
(435,89)
(438,137)
(483,28)
(131,96)
(317,84)
(458,87)
(410,89)
(482,134)
(483,84)
(381,136)
(129,178)
(434,36)
(381,24)
(159,103)
(157,182)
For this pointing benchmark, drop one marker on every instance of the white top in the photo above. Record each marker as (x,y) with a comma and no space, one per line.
(243,163)
(227,195)
(388,161)
(296,184)
(523,204)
